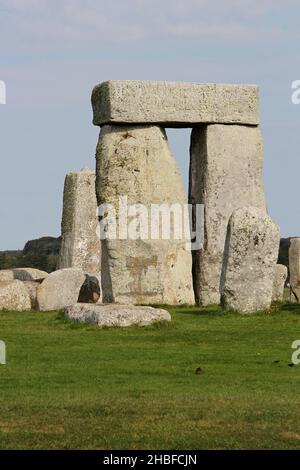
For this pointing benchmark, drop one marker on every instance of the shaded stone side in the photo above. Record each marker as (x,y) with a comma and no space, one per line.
(225,174)
(80,246)
(250,257)
(136,162)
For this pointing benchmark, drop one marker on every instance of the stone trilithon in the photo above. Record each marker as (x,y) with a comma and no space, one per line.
(134,160)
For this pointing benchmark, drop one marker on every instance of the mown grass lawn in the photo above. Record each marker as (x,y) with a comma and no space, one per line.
(69,386)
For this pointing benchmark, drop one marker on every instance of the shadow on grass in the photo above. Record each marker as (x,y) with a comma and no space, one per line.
(203,312)
(211,310)
(289,307)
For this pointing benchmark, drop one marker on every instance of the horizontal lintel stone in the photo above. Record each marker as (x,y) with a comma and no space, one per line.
(174,104)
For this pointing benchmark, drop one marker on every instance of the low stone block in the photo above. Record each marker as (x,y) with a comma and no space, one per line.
(29,274)
(14,296)
(6,275)
(60,289)
(116,315)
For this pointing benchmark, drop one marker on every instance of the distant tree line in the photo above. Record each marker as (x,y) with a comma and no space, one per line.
(40,254)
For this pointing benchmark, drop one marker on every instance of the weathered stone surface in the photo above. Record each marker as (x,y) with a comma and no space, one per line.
(60,289)
(174,104)
(90,290)
(116,314)
(14,296)
(225,174)
(280,276)
(250,257)
(294,265)
(6,275)
(80,246)
(22,274)
(29,274)
(32,291)
(136,161)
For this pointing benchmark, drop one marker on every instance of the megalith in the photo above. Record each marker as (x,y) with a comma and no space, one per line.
(134,162)
(250,257)
(280,277)
(14,296)
(60,289)
(174,104)
(80,246)
(133,157)
(225,174)
(294,266)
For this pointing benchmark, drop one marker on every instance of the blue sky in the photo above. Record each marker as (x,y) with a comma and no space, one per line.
(53,53)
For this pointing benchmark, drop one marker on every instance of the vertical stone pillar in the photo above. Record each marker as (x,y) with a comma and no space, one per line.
(249,261)
(80,243)
(135,162)
(294,266)
(280,276)
(225,174)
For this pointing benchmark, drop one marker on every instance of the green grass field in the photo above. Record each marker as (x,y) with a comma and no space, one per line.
(69,386)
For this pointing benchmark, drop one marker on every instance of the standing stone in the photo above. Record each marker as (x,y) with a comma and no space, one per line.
(14,296)
(250,256)
(294,265)
(136,162)
(225,174)
(280,276)
(80,244)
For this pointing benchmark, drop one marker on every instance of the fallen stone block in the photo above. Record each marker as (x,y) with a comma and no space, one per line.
(14,296)
(250,256)
(174,104)
(6,275)
(29,274)
(116,315)
(60,289)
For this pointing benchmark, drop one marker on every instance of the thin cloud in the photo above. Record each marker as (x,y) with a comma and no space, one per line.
(48,22)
